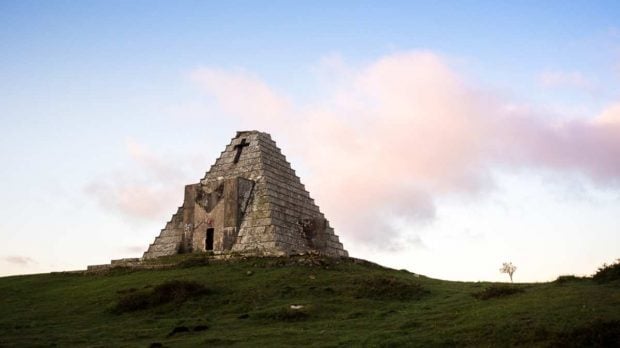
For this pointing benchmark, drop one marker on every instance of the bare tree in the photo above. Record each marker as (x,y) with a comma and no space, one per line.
(509,268)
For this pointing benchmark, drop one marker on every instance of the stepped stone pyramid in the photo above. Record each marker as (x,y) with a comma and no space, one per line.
(250,201)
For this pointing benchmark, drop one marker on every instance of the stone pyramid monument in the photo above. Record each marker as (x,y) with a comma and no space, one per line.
(250,201)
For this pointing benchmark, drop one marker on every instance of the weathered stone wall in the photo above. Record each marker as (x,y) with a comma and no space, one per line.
(254,201)
(170,240)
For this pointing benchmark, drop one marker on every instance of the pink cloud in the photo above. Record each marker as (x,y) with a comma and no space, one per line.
(149,189)
(19,260)
(134,200)
(588,147)
(610,116)
(156,166)
(406,129)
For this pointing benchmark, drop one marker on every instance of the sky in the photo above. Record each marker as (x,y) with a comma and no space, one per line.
(440,137)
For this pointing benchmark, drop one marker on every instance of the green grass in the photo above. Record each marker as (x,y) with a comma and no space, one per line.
(247,303)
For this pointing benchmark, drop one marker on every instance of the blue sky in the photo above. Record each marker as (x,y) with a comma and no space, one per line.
(105,102)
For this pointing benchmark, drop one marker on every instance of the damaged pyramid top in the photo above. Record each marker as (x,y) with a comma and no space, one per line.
(250,202)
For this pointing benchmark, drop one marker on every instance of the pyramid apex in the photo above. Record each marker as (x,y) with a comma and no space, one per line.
(249,132)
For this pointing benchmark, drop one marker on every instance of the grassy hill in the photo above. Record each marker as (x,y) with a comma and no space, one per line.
(299,301)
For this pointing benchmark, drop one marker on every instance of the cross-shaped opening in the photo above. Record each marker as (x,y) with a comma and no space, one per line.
(239,147)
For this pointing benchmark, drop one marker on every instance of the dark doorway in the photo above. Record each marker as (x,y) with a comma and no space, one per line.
(209,239)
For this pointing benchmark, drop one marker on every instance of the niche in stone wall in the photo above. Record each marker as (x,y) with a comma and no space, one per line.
(314,231)
(209,197)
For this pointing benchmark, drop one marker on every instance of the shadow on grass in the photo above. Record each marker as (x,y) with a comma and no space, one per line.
(176,291)
(202,260)
(497,290)
(389,288)
(285,314)
(596,334)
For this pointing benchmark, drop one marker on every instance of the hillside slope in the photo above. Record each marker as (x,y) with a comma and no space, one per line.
(298,301)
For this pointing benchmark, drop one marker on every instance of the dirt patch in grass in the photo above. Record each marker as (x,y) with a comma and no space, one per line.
(389,288)
(285,314)
(495,291)
(176,291)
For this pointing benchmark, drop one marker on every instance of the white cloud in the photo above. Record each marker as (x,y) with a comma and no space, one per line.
(242,94)
(566,79)
(405,129)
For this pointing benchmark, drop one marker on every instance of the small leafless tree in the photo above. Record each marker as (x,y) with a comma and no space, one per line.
(509,268)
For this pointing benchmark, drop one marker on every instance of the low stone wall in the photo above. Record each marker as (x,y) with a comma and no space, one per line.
(128,262)
(136,263)
(98,268)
